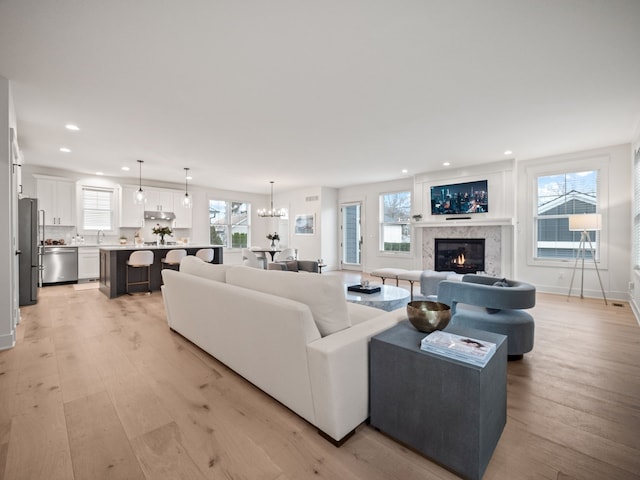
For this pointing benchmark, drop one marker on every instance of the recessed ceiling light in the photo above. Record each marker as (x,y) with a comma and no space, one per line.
(99,173)
(446,164)
(508,152)
(65,149)
(71,126)
(404,170)
(126,169)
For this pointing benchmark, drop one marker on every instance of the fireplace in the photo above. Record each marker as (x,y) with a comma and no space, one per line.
(461,255)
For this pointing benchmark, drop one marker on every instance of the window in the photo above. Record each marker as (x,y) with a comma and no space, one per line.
(558,197)
(97,209)
(395,227)
(636,209)
(229,223)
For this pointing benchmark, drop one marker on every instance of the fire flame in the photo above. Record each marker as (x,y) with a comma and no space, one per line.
(459,260)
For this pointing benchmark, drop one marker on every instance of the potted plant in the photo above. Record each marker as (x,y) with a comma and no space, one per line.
(162,231)
(274,237)
(123,240)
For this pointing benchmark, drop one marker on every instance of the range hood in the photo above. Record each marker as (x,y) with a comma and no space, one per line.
(159,215)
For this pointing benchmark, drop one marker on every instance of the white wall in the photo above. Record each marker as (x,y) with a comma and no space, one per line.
(615,186)
(634,274)
(8,277)
(317,201)
(329,225)
(369,196)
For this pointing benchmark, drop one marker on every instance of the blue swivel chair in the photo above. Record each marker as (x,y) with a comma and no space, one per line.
(495,305)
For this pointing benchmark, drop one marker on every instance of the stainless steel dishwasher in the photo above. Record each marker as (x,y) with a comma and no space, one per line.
(59,265)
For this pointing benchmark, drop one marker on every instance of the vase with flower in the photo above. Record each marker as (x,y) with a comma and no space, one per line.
(162,231)
(274,237)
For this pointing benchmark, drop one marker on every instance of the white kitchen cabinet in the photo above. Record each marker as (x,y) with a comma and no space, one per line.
(159,200)
(57,199)
(88,263)
(184,218)
(131,213)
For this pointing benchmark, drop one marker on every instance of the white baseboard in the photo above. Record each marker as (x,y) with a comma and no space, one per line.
(635,310)
(8,340)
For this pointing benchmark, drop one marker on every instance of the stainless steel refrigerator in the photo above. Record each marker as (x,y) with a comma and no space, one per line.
(29,269)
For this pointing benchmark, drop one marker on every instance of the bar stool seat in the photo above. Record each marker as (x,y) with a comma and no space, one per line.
(140,259)
(173,258)
(205,254)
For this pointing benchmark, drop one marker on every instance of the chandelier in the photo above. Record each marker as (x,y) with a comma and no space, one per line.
(272,212)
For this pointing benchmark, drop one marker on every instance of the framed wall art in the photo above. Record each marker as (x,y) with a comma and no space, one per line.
(305,224)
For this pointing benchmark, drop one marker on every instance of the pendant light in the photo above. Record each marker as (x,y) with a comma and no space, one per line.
(272,212)
(186,200)
(140,197)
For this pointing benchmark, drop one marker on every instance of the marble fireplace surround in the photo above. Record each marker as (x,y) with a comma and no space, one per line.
(493,245)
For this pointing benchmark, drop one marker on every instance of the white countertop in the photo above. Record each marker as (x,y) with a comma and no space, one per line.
(153,247)
(129,246)
(84,245)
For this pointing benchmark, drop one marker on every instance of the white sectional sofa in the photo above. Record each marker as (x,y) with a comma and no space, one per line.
(293,336)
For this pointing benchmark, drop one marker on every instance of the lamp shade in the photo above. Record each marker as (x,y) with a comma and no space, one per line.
(585,222)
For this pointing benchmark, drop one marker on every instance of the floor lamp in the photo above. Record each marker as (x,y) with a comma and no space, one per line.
(585,223)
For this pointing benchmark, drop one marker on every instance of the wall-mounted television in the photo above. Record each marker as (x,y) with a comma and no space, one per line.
(460,198)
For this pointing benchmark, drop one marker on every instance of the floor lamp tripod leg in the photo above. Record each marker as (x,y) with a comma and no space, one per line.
(583,251)
(575,266)
(597,270)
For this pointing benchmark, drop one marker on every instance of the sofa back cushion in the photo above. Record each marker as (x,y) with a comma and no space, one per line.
(211,271)
(323,294)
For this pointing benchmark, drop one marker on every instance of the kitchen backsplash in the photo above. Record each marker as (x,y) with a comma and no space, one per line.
(68,234)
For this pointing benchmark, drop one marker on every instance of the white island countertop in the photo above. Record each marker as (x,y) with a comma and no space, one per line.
(155,247)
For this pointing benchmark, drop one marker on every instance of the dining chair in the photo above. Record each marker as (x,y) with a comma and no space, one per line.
(250,259)
(286,254)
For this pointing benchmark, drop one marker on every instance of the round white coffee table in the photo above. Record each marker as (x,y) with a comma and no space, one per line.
(388,298)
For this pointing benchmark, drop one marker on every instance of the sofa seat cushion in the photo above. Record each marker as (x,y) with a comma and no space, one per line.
(323,294)
(211,271)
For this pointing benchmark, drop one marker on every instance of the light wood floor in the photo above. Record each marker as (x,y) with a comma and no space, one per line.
(99,388)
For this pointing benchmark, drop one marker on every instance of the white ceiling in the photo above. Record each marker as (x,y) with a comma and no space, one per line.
(309,93)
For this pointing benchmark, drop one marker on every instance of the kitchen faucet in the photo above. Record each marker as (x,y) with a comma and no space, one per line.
(98,241)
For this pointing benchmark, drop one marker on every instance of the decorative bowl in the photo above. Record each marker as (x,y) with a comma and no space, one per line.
(428,316)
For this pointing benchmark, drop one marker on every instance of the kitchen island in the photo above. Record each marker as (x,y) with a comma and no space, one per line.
(113,266)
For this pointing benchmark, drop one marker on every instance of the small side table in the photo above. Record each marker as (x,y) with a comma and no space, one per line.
(320,267)
(450,411)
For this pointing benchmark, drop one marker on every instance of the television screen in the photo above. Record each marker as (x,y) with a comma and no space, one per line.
(460,198)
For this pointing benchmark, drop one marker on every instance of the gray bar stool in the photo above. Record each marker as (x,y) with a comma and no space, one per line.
(140,259)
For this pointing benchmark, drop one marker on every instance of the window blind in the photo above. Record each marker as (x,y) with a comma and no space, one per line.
(97,207)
